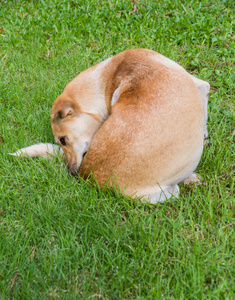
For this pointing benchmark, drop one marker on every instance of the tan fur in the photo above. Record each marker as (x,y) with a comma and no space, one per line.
(150,139)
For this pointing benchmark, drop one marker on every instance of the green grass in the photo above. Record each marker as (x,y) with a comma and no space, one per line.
(60,238)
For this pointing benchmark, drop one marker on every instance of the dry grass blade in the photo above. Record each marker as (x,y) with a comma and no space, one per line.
(13,282)
(231,224)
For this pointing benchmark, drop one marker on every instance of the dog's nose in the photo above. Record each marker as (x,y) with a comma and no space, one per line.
(73,170)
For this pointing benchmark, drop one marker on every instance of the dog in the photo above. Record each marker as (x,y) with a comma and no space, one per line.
(137,120)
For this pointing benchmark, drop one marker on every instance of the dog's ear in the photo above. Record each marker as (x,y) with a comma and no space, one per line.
(64,112)
(64,109)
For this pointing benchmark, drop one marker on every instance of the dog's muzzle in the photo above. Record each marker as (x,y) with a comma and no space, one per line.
(74,169)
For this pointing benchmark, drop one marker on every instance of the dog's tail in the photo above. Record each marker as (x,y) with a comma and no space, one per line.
(41,149)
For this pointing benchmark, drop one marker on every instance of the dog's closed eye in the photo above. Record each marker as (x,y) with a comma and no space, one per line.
(62,141)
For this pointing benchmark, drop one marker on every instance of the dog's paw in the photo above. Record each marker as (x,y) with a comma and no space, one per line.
(193,178)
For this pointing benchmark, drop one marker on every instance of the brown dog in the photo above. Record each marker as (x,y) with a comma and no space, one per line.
(137,119)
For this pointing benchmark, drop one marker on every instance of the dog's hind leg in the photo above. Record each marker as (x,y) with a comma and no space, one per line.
(166,193)
(160,194)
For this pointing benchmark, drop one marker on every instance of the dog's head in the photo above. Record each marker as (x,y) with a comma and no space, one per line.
(73,130)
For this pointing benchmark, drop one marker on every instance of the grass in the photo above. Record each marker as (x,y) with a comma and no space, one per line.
(59,237)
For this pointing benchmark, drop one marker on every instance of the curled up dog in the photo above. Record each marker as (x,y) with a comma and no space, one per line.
(137,119)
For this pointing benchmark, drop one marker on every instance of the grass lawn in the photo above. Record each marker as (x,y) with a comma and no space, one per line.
(59,237)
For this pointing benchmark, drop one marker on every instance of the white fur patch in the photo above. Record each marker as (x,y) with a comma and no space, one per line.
(115,96)
(97,71)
